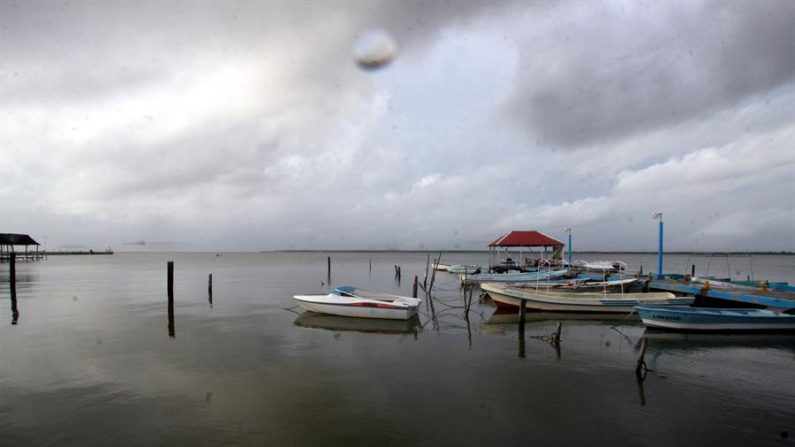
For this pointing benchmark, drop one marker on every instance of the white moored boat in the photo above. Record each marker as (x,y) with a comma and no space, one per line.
(543,275)
(351,302)
(574,299)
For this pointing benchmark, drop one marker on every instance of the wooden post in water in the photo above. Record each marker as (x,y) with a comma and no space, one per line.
(693,270)
(414,287)
(328,275)
(427,272)
(170,274)
(210,289)
(170,279)
(12,271)
(641,363)
(556,337)
(521,328)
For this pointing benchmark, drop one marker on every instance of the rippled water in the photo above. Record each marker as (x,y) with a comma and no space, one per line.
(91,361)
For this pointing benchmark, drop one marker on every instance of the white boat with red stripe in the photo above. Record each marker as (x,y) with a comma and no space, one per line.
(349,301)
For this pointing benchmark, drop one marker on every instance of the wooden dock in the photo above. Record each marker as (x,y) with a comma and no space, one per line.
(41,255)
(23,256)
(756,297)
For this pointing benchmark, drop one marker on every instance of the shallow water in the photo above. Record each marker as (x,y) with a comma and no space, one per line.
(90,361)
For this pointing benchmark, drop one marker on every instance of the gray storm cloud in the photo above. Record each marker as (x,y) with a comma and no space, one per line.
(613,73)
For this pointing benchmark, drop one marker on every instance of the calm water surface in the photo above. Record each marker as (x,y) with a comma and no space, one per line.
(91,360)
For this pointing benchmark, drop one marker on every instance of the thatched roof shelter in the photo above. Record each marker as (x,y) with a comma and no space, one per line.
(16,239)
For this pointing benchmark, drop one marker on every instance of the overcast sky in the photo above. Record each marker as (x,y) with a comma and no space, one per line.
(248,125)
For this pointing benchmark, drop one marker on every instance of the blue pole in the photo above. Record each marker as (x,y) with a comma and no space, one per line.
(569,249)
(660,253)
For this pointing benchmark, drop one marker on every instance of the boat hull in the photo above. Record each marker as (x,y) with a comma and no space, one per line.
(357,308)
(508,297)
(715,319)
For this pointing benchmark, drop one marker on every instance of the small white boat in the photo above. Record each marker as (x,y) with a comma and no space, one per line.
(543,275)
(601,266)
(351,302)
(441,267)
(464,268)
(573,299)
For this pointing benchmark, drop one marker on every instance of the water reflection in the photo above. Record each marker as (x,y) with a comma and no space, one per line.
(547,327)
(692,341)
(501,318)
(368,325)
(14,310)
(171,330)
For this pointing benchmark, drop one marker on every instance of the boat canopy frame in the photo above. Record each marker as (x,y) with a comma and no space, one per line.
(525,241)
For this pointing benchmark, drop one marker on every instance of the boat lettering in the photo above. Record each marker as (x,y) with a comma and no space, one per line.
(667,317)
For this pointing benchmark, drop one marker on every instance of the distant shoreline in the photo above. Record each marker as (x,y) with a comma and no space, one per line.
(620,252)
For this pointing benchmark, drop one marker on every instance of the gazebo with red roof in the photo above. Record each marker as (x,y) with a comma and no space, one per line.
(524,239)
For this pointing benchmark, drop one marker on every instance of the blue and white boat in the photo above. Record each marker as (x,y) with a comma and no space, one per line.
(715,319)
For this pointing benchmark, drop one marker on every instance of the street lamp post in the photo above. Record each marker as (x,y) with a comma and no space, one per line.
(568,231)
(658,216)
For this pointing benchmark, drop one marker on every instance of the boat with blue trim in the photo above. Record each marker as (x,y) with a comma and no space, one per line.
(687,318)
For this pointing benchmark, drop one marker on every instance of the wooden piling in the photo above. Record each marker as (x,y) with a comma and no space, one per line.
(414,286)
(427,272)
(170,274)
(210,285)
(556,337)
(170,279)
(433,272)
(693,270)
(522,311)
(12,271)
(328,275)
(640,364)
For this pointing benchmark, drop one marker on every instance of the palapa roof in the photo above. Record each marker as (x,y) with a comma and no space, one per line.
(525,239)
(16,239)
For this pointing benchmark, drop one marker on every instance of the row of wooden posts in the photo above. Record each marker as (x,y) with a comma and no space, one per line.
(170,291)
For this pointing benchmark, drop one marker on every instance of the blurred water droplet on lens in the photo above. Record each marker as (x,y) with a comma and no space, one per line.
(374,49)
